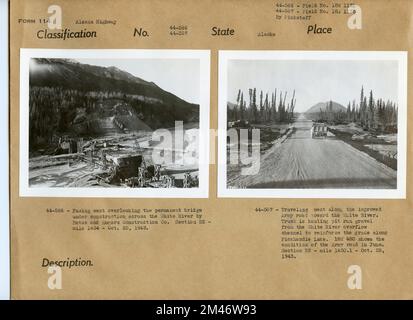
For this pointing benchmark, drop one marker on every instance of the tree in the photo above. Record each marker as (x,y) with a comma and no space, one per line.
(242,107)
(281,108)
(274,111)
(292,106)
(370,111)
(266,109)
(255,107)
(348,113)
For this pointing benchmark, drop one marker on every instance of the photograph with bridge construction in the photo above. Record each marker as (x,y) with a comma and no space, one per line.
(327,124)
(115,120)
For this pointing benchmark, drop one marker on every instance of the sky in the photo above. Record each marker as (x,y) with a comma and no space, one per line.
(314,80)
(177,76)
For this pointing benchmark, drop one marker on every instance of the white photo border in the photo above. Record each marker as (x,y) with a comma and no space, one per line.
(225,55)
(201,192)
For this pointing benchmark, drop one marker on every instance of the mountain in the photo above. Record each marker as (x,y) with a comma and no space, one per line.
(231,106)
(70,74)
(323,105)
(76,99)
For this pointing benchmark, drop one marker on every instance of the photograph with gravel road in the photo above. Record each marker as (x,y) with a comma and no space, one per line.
(124,120)
(326,124)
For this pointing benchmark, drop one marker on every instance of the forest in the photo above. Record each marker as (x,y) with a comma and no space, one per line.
(370,114)
(274,109)
(55,111)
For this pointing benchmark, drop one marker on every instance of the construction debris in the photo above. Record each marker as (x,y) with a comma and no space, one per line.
(120,161)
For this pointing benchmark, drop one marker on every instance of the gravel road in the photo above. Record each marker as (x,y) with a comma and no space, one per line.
(303,162)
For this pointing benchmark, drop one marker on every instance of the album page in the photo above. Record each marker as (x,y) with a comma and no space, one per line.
(211,150)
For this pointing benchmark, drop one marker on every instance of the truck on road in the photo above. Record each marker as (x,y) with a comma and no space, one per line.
(319,130)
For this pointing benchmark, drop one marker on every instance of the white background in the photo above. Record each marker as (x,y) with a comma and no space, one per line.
(4,155)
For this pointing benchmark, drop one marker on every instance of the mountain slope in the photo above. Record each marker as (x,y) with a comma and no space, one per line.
(70,98)
(70,74)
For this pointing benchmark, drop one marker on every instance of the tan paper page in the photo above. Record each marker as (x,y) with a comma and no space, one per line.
(211,150)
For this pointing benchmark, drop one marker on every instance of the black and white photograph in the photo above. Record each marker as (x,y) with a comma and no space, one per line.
(102,120)
(325,124)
